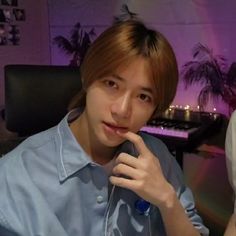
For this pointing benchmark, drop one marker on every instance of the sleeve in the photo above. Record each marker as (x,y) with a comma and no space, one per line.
(230,151)
(174,175)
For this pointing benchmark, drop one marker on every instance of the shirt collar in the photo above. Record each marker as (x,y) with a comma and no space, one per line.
(72,156)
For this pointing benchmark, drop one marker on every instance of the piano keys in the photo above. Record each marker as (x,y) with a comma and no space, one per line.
(183,130)
(171,128)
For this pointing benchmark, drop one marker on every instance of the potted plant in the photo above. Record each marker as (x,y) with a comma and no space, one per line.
(80,40)
(211,71)
(77,45)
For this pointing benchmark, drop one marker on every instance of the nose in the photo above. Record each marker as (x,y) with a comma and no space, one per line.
(122,107)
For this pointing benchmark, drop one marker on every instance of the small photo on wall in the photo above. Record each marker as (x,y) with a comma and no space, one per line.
(5,15)
(2,29)
(13,36)
(10,3)
(13,29)
(8,15)
(14,39)
(3,39)
(2,16)
(19,14)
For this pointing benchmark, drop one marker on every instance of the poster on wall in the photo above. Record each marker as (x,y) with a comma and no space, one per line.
(10,16)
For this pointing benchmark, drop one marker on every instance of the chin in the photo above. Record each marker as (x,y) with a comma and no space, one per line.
(111,141)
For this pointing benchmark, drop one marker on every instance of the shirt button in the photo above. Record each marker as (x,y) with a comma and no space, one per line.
(99,199)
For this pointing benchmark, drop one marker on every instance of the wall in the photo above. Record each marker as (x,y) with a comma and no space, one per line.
(34,40)
(183,22)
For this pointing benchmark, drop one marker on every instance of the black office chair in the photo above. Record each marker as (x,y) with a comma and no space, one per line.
(37,96)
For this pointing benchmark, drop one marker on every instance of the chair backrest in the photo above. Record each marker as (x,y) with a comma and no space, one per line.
(37,96)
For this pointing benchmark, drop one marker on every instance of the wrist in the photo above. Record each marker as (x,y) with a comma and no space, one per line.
(168,200)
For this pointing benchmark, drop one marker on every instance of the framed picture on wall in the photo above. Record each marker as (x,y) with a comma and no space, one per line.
(13,36)
(2,29)
(5,15)
(9,3)
(8,15)
(19,14)
(3,40)
(2,16)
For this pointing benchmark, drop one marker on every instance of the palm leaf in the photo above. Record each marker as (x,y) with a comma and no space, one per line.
(201,52)
(231,75)
(206,94)
(63,44)
(92,33)
(200,72)
(76,35)
(205,68)
(125,15)
(77,44)
(125,9)
(203,97)
(210,71)
(85,44)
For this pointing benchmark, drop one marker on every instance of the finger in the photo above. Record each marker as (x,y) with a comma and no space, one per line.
(136,140)
(125,171)
(123,182)
(127,159)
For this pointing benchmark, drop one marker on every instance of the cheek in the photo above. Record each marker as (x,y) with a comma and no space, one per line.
(93,97)
(96,102)
(144,110)
(141,116)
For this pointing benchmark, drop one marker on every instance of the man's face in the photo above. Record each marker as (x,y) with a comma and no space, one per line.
(121,102)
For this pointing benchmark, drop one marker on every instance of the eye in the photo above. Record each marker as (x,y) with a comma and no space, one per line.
(145,97)
(110,83)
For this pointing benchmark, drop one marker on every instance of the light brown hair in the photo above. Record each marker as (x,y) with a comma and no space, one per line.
(118,46)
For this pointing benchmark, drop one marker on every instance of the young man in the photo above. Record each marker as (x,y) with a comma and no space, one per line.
(230,151)
(95,173)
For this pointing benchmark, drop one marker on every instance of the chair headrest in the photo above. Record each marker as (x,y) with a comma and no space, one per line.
(37,96)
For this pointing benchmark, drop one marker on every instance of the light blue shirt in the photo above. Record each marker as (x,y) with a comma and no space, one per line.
(51,187)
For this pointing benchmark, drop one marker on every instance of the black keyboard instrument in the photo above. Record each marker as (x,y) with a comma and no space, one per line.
(183,130)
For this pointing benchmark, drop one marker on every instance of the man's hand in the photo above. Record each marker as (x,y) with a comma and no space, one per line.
(143,174)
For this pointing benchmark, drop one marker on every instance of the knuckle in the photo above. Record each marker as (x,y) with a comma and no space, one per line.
(139,139)
(116,169)
(119,168)
(120,182)
(145,166)
(144,176)
(121,157)
(139,185)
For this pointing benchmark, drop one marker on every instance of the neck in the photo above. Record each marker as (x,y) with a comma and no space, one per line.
(98,152)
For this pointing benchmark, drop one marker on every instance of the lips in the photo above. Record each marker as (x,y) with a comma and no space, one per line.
(115,128)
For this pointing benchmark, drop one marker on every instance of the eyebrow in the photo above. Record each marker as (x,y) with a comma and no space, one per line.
(147,89)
